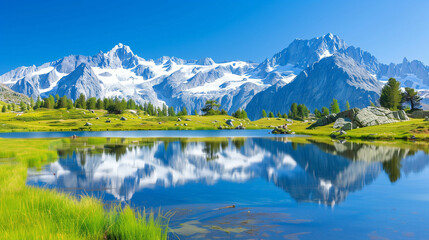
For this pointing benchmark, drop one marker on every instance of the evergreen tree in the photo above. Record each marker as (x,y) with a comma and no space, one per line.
(271,114)
(63,102)
(31,103)
(325,111)
(211,108)
(171,111)
(195,112)
(23,106)
(91,103)
(69,104)
(9,107)
(284,115)
(100,104)
(223,112)
(38,103)
(81,101)
(391,96)
(347,105)
(240,113)
(279,115)
(302,111)
(371,104)
(335,108)
(412,96)
(184,111)
(3,108)
(264,114)
(317,113)
(293,111)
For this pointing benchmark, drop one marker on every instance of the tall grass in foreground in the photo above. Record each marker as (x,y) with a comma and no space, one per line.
(32,213)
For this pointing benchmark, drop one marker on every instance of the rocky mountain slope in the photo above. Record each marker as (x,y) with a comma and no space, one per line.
(9,96)
(178,82)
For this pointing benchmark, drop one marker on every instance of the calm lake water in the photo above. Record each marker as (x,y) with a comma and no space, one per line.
(282,188)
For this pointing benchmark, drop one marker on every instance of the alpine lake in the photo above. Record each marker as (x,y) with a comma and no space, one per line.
(248,184)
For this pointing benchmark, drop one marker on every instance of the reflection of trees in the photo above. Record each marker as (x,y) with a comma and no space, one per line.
(212,148)
(238,142)
(117,150)
(390,157)
(393,168)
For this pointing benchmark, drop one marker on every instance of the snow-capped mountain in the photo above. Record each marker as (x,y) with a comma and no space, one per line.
(179,82)
(121,73)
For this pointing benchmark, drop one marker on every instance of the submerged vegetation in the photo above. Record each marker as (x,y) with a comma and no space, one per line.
(31,213)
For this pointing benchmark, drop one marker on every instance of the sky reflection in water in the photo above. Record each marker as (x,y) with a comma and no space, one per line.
(281,189)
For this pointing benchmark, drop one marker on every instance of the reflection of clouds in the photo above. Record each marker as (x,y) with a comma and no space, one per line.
(316,172)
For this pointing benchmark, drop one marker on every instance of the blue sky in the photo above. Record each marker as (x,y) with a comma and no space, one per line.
(35,32)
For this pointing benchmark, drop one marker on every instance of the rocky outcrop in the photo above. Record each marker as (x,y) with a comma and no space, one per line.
(365,117)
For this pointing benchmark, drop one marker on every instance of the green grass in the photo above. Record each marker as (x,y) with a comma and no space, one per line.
(414,129)
(74,120)
(32,213)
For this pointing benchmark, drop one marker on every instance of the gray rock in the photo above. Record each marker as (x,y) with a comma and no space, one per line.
(179,120)
(365,117)
(347,126)
(123,119)
(229,122)
(88,124)
(107,121)
(426,118)
(339,123)
(186,124)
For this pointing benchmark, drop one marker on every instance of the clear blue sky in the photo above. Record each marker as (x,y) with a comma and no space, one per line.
(34,32)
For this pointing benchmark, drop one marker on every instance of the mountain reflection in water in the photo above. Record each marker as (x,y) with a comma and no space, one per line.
(320,172)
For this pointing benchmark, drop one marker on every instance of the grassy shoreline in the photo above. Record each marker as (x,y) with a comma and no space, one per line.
(49,120)
(32,213)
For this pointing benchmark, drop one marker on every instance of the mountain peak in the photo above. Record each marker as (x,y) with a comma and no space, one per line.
(122,48)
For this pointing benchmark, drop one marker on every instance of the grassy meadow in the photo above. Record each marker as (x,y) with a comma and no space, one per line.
(76,119)
(32,213)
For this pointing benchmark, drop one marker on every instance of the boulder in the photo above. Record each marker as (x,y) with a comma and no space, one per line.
(347,126)
(107,121)
(187,119)
(88,124)
(339,123)
(426,118)
(179,120)
(123,119)
(365,117)
(229,122)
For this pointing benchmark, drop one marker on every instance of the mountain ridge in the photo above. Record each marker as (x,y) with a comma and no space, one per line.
(189,83)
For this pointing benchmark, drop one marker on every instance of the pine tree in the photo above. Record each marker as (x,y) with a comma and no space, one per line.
(23,106)
(195,112)
(347,105)
(4,108)
(284,115)
(317,113)
(391,96)
(171,111)
(325,111)
(63,102)
(335,108)
(184,111)
(293,111)
(271,115)
(412,96)
(264,114)
(81,101)
(100,104)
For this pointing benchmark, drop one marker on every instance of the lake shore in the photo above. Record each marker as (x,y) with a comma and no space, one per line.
(62,120)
